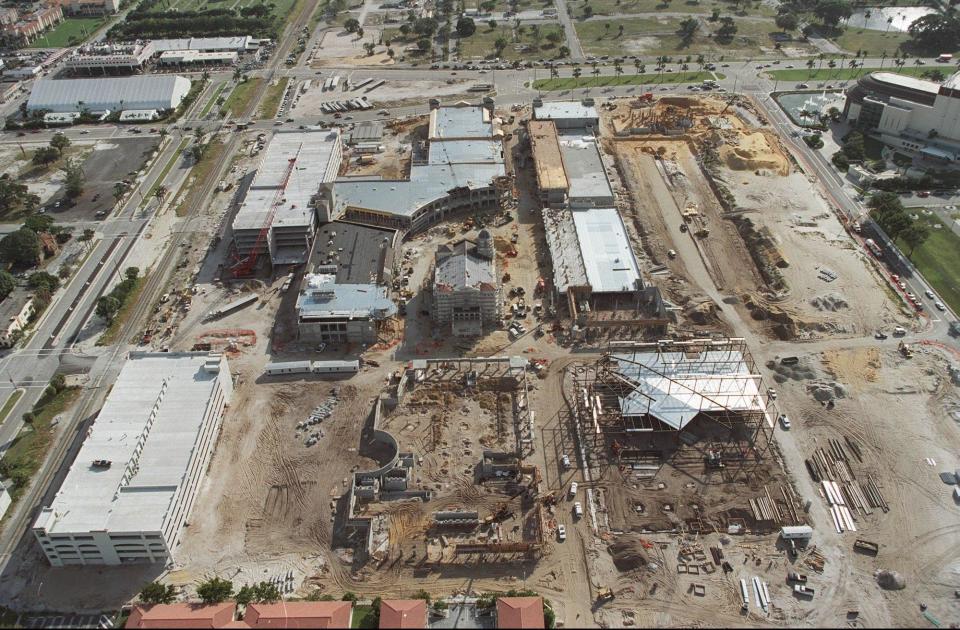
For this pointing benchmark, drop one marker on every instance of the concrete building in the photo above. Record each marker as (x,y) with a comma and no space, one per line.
(288,201)
(466,289)
(89,7)
(20,27)
(15,311)
(341,313)
(568,114)
(97,96)
(587,177)
(552,183)
(913,116)
(240,44)
(193,57)
(457,174)
(133,483)
(100,58)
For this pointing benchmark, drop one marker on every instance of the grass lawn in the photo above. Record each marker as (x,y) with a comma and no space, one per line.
(634,7)
(109,336)
(213,100)
(11,401)
(658,36)
(481,44)
(70,32)
(212,155)
(505,5)
(166,169)
(874,42)
(840,74)
(569,83)
(399,43)
(236,103)
(938,259)
(271,100)
(363,617)
(29,448)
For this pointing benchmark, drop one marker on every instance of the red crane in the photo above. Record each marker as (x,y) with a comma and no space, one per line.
(245,266)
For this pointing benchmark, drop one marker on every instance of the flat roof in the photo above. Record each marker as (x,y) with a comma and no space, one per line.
(465,152)
(547,158)
(568,266)
(568,110)
(953,81)
(675,387)
(203,43)
(178,388)
(361,253)
(368,131)
(322,298)
(460,121)
(912,83)
(584,168)
(317,162)
(608,258)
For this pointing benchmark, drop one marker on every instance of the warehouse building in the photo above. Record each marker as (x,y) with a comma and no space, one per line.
(466,290)
(99,96)
(914,116)
(133,483)
(463,162)
(287,196)
(239,44)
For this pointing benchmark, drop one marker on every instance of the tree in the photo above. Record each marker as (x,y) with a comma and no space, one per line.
(787,21)
(74,180)
(728,28)
(466,27)
(21,247)
(370,47)
(44,156)
(107,308)
(349,597)
(577,71)
(157,593)
(554,37)
(587,12)
(131,273)
(352,25)
(935,33)
(853,146)
(914,236)
(404,29)
(423,44)
(43,280)
(119,190)
(59,142)
(688,28)
(715,15)
(492,24)
(391,53)
(7,283)
(214,590)
(39,222)
(28,418)
(830,12)
(15,197)
(563,52)
(425,27)
(499,45)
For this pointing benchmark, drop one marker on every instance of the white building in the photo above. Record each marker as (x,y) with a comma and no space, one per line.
(466,290)
(134,481)
(568,114)
(159,92)
(913,116)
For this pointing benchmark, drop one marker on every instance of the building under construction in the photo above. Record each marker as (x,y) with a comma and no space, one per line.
(279,215)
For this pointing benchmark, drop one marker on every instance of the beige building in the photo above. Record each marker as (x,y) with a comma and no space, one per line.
(23,27)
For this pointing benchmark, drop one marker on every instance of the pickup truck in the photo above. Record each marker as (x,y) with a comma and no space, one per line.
(802,590)
(793,576)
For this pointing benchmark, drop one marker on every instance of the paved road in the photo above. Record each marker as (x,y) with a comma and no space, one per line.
(569,31)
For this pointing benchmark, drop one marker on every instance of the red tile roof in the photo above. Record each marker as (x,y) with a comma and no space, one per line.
(403,613)
(299,615)
(520,612)
(182,616)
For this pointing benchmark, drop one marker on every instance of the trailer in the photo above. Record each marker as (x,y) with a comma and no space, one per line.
(335,367)
(744,595)
(287,367)
(363,83)
(335,82)
(327,84)
(375,85)
(799,532)
(804,591)
(865,546)
(232,306)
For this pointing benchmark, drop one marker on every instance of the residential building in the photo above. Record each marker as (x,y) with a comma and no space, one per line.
(287,196)
(403,613)
(21,27)
(568,114)
(552,183)
(136,476)
(15,312)
(466,290)
(457,174)
(299,615)
(913,116)
(89,7)
(97,96)
(520,612)
(183,616)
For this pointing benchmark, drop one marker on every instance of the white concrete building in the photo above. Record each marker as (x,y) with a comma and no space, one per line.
(466,290)
(134,481)
(161,92)
(913,116)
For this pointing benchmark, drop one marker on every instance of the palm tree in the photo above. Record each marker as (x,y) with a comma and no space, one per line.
(576,74)
(636,65)
(889,23)
(820,57)
(883,58)
(554,72)
(810,64)
(617,68)
(596,71)
(701,61)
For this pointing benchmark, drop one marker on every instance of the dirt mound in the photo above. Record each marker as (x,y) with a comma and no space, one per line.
(628,554)
(797,372)
(702,313)
(753,152)
(832,302)
(891,580)
(827,391)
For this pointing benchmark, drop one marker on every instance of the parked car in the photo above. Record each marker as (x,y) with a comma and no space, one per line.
(940,306)
(784,422)
(561,532)
(578,509)
(573,489)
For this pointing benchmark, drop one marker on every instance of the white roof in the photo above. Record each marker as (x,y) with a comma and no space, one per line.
(584,168)
(317,162)
(607,255)
(675,387)
(203,43)
(913,83)
(140,92)
(178,389)
(568,110)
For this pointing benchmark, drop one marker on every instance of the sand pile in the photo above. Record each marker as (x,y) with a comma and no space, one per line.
(832,302)
(628,554)
(801,371)
(753,152)
(825,391)
(891,580)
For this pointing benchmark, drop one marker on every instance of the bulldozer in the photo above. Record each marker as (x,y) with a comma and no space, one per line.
(604,594)
(905,349)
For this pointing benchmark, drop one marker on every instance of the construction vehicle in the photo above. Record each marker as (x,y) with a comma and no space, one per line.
(604,594)
(865,546)
(793,576)
(804,591)
(646,97)
(905,349)
(245,266)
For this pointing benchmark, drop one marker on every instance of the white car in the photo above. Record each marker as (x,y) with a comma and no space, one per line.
(940,306)
(573,489)
(784,422)
(929,294)
(565,460)
(578,509)
(561,532)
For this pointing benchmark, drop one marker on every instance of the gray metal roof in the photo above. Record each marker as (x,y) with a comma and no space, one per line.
(605,247)
(569,110)
(465,151)
(463,269)
(584,168)
(115,94)
(460,121)
(322,298)
(369,131)
(238,44)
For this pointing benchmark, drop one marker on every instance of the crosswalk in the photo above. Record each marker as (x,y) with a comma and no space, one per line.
(65,621)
